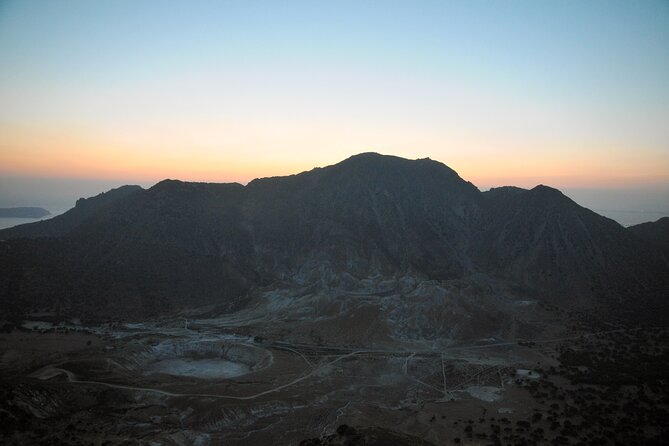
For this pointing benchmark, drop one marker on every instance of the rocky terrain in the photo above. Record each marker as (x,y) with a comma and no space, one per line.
(376,301)
(134,252)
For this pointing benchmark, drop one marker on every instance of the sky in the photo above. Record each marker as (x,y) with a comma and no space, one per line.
(574,94)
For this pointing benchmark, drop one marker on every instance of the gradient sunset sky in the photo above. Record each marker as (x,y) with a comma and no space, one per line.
(574,94)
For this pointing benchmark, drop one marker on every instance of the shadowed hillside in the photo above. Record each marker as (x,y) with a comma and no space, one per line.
(132,252)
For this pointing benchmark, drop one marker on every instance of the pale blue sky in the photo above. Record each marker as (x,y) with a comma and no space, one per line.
(569,93)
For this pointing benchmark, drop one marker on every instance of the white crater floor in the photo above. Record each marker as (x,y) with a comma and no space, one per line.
(484,393)
(209,368)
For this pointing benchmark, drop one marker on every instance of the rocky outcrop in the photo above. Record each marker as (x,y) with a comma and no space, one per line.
(133,252)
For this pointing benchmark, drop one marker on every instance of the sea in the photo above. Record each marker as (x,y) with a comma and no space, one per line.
(7,222)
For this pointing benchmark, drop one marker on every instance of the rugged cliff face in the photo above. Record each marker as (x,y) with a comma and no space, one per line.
(133,252)
(656,233)
(542,240)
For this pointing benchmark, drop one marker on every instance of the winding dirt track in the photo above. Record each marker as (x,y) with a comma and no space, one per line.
(51,371)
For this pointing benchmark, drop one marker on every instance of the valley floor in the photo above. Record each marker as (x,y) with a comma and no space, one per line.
(111,385)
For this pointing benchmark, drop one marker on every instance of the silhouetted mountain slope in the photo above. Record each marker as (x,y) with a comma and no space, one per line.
(656,232)
(84,209)
(131,251)
(542,239)
(369,214)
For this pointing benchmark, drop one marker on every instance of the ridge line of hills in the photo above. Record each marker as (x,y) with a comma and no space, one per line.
(133,252)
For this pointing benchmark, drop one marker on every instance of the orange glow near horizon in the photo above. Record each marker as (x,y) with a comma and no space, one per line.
(568,94)
(57,154)
(239,148)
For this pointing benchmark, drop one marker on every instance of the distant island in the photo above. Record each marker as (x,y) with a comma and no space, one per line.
(23,212)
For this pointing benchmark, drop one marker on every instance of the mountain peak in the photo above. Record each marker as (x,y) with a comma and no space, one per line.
(543,189)
(367,155)
(110,195)
(166,184)
(366,216)
(372,162)
(549,196)
(375,157)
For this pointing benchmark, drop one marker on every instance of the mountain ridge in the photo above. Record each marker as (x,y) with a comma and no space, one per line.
(370,215)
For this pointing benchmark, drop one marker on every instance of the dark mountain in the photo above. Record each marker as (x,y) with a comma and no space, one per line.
(84,209)
(132,252)
(656,232)
(23,212)
(370,214)
(542,240)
